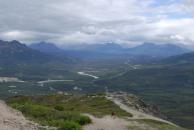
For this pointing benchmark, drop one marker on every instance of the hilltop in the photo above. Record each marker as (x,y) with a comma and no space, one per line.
(89,112)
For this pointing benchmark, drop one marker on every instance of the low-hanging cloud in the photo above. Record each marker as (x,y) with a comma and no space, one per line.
(89,21)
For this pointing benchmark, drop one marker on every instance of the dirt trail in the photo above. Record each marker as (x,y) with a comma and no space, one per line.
(11,119)
(107,123)
(136,114)
(110,123)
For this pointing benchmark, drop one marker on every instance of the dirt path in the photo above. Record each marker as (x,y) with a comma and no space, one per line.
(136,114)
(107,123)
(11,119)
(110,123)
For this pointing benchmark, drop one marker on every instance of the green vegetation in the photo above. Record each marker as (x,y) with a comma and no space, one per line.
(63,111)
(70,126)
(51,117)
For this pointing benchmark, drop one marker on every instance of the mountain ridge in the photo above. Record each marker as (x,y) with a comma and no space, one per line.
(16,52)
(115,50)
(157,50)
(46,47)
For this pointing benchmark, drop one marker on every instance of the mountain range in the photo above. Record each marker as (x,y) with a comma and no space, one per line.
(16,52)
(113,50)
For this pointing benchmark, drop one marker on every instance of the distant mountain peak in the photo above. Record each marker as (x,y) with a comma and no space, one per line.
(44,43)
(46,47)
(15,42)
(11,45)
(16,52)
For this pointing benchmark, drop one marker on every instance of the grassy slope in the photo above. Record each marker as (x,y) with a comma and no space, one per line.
(64,111)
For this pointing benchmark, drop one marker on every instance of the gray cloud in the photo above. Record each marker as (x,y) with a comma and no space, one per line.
(88,21)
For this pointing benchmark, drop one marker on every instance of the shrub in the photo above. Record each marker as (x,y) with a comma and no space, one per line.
(84,120)
(59,108)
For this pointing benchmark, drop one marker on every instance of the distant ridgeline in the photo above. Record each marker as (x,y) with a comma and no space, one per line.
(112,50)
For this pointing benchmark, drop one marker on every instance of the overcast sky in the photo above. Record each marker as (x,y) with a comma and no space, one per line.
(98,21)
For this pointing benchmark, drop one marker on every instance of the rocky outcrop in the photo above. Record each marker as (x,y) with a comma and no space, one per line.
(138,104)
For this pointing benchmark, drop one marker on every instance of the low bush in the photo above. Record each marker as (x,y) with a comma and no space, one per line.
(59,108)
(84,120)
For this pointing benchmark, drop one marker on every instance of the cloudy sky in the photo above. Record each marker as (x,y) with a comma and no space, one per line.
(98,21)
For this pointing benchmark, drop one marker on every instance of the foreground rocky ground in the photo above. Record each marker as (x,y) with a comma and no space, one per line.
(11,119)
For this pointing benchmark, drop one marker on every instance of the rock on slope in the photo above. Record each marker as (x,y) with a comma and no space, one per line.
(11,119)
